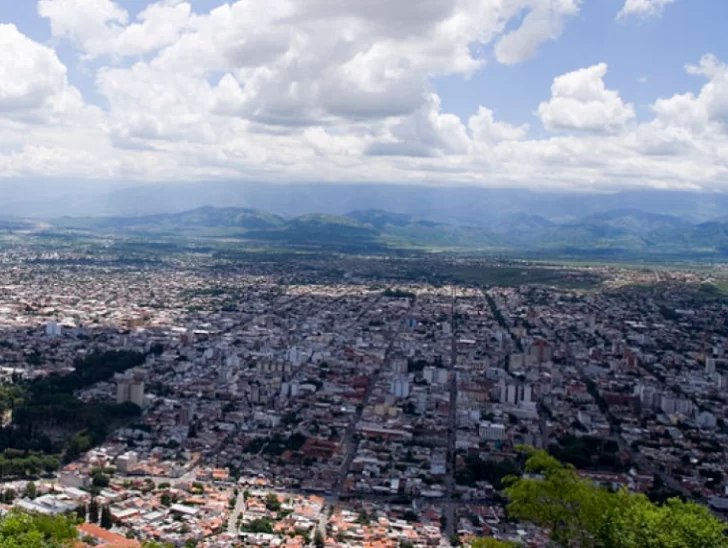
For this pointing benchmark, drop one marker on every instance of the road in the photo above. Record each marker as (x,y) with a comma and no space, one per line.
(237,511)
(449,508)
(349,443)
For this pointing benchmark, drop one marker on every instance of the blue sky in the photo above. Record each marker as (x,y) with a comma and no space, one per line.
(656,48)
(431,91)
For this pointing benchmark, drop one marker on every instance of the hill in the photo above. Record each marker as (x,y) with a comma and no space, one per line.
(619,232)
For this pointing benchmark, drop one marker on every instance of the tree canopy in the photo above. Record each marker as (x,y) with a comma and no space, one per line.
(579,513)
(19,530)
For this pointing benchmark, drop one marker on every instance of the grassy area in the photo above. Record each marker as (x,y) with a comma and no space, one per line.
(715,290)
(518,275)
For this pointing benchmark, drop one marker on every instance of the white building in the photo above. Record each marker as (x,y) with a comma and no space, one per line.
(130,387)
(52,329)
(489,431)
(400,387)
(707,420)
(126,462)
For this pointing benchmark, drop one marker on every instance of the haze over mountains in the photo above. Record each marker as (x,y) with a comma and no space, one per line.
(616,232)
(487,207)
(373,217)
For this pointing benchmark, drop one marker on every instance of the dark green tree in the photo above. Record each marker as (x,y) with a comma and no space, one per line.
(30,491)
(106,521)
(93,511)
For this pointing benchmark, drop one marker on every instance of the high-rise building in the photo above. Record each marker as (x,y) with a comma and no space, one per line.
(130,387)
(400,387)
(52,329)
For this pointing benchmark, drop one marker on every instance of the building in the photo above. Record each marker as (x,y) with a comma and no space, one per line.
(489,431)
(514,393)
(127,461)
(52,329)
(130,387)
(400,387)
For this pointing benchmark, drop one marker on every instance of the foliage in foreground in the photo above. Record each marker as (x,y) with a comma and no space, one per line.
(19,530)
(579,513)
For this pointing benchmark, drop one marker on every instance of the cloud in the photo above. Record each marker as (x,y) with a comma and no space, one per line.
(703,112)
(100,27)
(322,90)
(580,101)
(34,87)
(643,8)
(30,74)
(426,133)
(543,22)
(486,130)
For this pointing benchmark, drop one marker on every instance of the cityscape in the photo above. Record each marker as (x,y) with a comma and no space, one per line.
(346,401)
(363,274)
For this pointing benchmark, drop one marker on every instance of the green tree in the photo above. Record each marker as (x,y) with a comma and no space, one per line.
(318,539)
(272,503)
(30,491)
(93,511)
(99,479)
(579,513)
(492,543)
(165,500)
(19,530)
(106,521)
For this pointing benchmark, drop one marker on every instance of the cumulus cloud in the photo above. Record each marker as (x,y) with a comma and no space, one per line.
(100,27)
(34,86)
(542,23)
(580,101)
(642,8)
(323,90)
(485,129)
(426,133)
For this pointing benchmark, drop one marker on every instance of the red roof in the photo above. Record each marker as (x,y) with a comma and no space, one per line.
(106,537)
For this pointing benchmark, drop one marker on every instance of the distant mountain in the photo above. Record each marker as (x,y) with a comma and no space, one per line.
(625,231)
(493,209)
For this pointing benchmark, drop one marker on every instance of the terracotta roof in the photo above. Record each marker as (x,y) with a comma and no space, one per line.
(107,537)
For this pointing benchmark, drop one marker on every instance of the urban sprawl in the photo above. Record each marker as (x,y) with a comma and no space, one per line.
(293,402)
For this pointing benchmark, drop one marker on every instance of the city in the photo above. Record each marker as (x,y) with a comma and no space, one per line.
(255,407)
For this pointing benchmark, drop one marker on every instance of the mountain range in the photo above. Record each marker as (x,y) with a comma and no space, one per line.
(619,231)
(488,208)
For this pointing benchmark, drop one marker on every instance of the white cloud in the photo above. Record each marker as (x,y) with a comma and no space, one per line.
(643,8)
(580,101)
(30,74)
(99,27)
(544,22)
(486,130)
(34,87)
(322,90)
(426,133)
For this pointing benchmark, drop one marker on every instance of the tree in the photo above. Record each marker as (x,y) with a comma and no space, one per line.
(492,543)
(579,513)
(99,479)
(20,530)
(165,499)
(272,503)
(31,491)
(93,511)
(106,521)
(318,539)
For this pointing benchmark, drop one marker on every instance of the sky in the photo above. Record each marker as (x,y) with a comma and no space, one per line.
(576,95)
